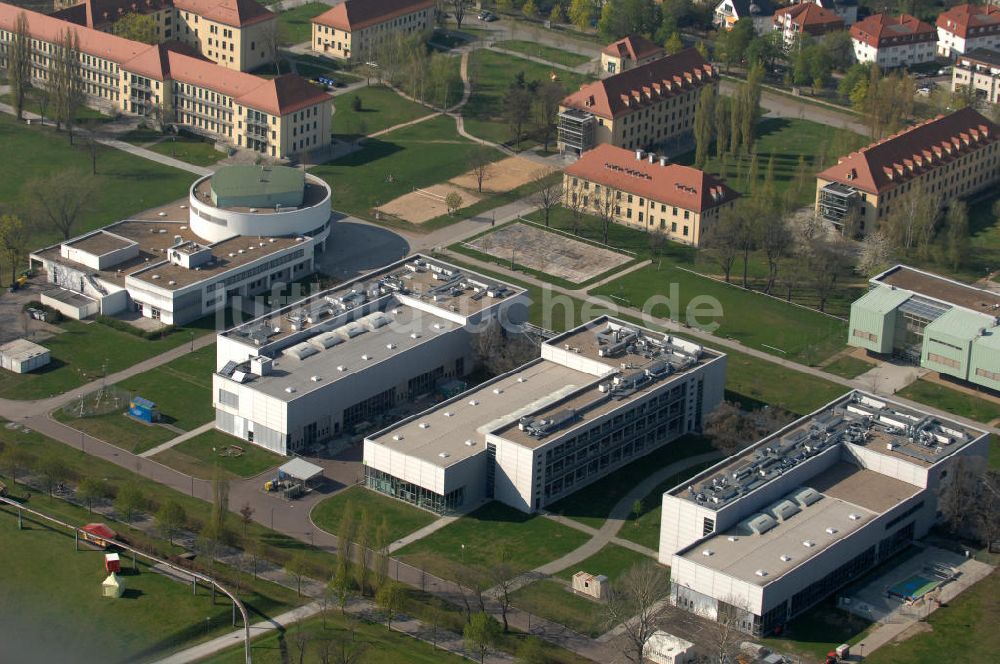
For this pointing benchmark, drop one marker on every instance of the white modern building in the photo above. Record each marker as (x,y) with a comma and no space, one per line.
(979,70)
(728,12)
(765,534)
(967,27)
(23,356)
(894,41)
(342,360)
(241,231)
(599,397)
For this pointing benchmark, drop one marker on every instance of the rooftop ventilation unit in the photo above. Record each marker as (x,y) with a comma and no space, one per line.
(733,538)
(831,531)
(314,379)
(473,402)
(785,558)
(470,443)
(448,413)
(290,390)
(707,552)
(341,367)
(761,572)
(497,390)
(854,517)
(808,544)
(444,455)
(760,523)
(397,437)
(424,425)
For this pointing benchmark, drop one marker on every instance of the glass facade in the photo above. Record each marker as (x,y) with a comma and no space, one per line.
(390,485)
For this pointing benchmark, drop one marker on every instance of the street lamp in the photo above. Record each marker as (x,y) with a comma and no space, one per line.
(463,554)
(862,653)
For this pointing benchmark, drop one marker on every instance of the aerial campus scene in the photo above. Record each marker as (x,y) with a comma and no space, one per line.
(507,331)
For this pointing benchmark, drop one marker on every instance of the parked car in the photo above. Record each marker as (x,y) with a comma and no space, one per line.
(924,91)
(487,16)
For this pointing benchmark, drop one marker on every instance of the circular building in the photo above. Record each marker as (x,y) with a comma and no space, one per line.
(259,201)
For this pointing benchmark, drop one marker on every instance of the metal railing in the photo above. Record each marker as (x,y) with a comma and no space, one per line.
(207,580)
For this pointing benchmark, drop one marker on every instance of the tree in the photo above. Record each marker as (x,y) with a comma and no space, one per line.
(499,350)
(731,428)
(137,27)
(272,36)
(246,516)
(13,241)
(90,490)
(673,44)
(458,8)
(704,122)
(481,634)
(725,634)
(59,200)
(298,567)
(517,104)
(556,16)
(342,587)
(66,77)
(93,142)
(130,499)
(170,518)
(576,203)
(956,230)
(54,472)
(19,63)
(876,253)
(911,221)
(389,599)
(969,501)
(453,201)
(636,601)
(719,240)
(604,207)
(828,260)
(381,552)
(43,97)
(529,9)
(547,197)
(581,13)
(217,527)
(773,237)
(16,458)
(361,569)
(548,96)
(502,576)
(722,125)
(480,161)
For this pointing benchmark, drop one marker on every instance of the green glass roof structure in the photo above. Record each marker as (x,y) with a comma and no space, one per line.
(245,185)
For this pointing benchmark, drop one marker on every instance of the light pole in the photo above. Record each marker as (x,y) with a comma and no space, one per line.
(463,555)
(862,653)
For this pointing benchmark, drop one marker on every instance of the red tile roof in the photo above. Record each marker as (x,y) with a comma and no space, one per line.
(911,152)
(286,94)
(809,18)
(881,29)
(100,13)
(958,20)
(672,184)
(635,47)
(353,15)
(238,13)
(640,86)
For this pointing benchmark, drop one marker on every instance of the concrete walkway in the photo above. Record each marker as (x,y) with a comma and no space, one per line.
(585,68)
(188,435)
(427,530)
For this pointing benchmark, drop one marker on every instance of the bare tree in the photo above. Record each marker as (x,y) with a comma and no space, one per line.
(480,161)
(67,80)
(19,63)
(272,35)
(577,208)
(13,241)
(246,516)
(731,428)
(605,208)
(719,241)
(725,635)
(499,350)
(829,260)
(458,8)
(875,254)
(547,99)
(776,241)
(93,142)
(636,601)
(547,197)
(502,575)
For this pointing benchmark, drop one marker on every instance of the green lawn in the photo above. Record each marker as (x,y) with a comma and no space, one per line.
(380,645)
(983,253)
(646,529)
(417,156)
(200,455)
(295,23)
(491,74)
(953,401)
(182,389)
(84,115)
(786,139)
(470,543)
(612,561)
(592,504)
(192,150)
(401,518)
(754,383)
(381,108)
(761,322)
(84,352)
(125,184)
(50,597)
(119,429)
(848,367)
(555,601)
(818,631)
(966,627)
(534,49)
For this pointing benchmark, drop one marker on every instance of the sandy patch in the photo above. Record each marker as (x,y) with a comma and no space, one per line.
(420,206)
(504,175)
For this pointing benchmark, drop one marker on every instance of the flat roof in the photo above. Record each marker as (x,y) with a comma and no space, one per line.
(941,288)
(301,469)
(313,193)
(22,349)
(857,418)
(69,297)
(882,300)
(445,428)
(417,278)
(100,242)
(250,180)
(846,489)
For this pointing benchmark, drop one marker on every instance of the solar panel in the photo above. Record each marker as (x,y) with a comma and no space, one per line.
(229,368)
(921,308)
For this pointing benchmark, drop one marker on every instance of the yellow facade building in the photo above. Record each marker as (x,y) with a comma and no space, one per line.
(646,192)
(278,118)
(354,29)
(645,107)
(949,157)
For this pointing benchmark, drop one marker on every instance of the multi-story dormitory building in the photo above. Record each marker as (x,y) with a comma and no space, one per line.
(645,107)
(949,157)
(233,33)
(276,117)
(761,537)
(354,29)
(646,192)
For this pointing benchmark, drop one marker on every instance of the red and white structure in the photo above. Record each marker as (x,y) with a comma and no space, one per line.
(967,27)
(893,41)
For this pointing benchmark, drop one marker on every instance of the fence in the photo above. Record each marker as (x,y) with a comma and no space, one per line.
(571,236)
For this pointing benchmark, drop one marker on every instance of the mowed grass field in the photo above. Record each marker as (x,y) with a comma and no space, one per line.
(786,139)
(760,322)
(82,352)
(469,545)
(295,23)
(953,401)
(51,608)
(491,74)
(125,184)
(201,455)
(381,108)
(393,164)
(534,49)
(400,518)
